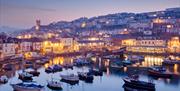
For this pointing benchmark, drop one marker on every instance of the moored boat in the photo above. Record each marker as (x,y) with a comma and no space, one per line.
(126,62)
(135,83)
(54,85)
(68,66)
(170,62)
(3,79)
(34,73)
(85,76)
(71,79)
(27,86)
(95,72)
(159,72)
(53,68)
(25,76)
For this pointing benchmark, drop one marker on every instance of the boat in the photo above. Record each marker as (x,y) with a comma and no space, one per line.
(71,79)
(135,83)
(95,72)
(126,62)
(130,88)
(53,68)
(169,61)
(3,79)
(81,62)
(136,58)
(7,67)
(42,61)
(159,72)
(85,76)
(57,68)
(68,66)
(27,86)
(34,73)
(25,76)
(54,85)
(49,70)
(28,64)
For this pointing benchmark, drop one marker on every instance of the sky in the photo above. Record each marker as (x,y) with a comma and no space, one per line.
(23,13)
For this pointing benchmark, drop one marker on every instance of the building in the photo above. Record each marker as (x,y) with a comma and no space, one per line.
(174,45)
(145,45)
(8,47)
(52,46)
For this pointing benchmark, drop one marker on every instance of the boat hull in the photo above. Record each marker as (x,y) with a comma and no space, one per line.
(54,88)
(139,86)
(17,88)
(158,74)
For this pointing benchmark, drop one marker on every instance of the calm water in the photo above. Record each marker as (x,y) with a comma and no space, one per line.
(110,81)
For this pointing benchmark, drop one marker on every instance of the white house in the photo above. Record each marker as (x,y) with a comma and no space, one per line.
(8,49)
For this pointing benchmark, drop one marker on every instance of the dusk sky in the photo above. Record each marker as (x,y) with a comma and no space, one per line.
(23,13)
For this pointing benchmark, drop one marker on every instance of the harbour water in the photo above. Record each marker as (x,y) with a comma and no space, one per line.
(110,81)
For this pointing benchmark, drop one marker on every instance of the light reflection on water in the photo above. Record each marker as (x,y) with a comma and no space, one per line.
(111,81)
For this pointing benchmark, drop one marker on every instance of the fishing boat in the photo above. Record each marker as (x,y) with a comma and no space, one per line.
(71,79)
(85,76)
(3,79)
(136,83)
(25,76)
(54,85)
(95,72)
(27,86)
(159,72)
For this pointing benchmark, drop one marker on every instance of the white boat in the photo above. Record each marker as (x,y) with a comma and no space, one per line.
(54,85)
(3,79)
(71,79)
(28,86)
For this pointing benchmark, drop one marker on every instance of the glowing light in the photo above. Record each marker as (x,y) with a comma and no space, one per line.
(83,25)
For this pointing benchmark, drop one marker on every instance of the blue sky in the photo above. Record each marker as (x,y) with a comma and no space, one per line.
(23,13)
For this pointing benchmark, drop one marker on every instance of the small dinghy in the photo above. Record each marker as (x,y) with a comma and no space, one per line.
(71,79)
(54,85)
(27,86)
(3,79)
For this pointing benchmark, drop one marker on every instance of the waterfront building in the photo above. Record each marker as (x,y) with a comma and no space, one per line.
(8,48)
(145,45)
(174,45)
